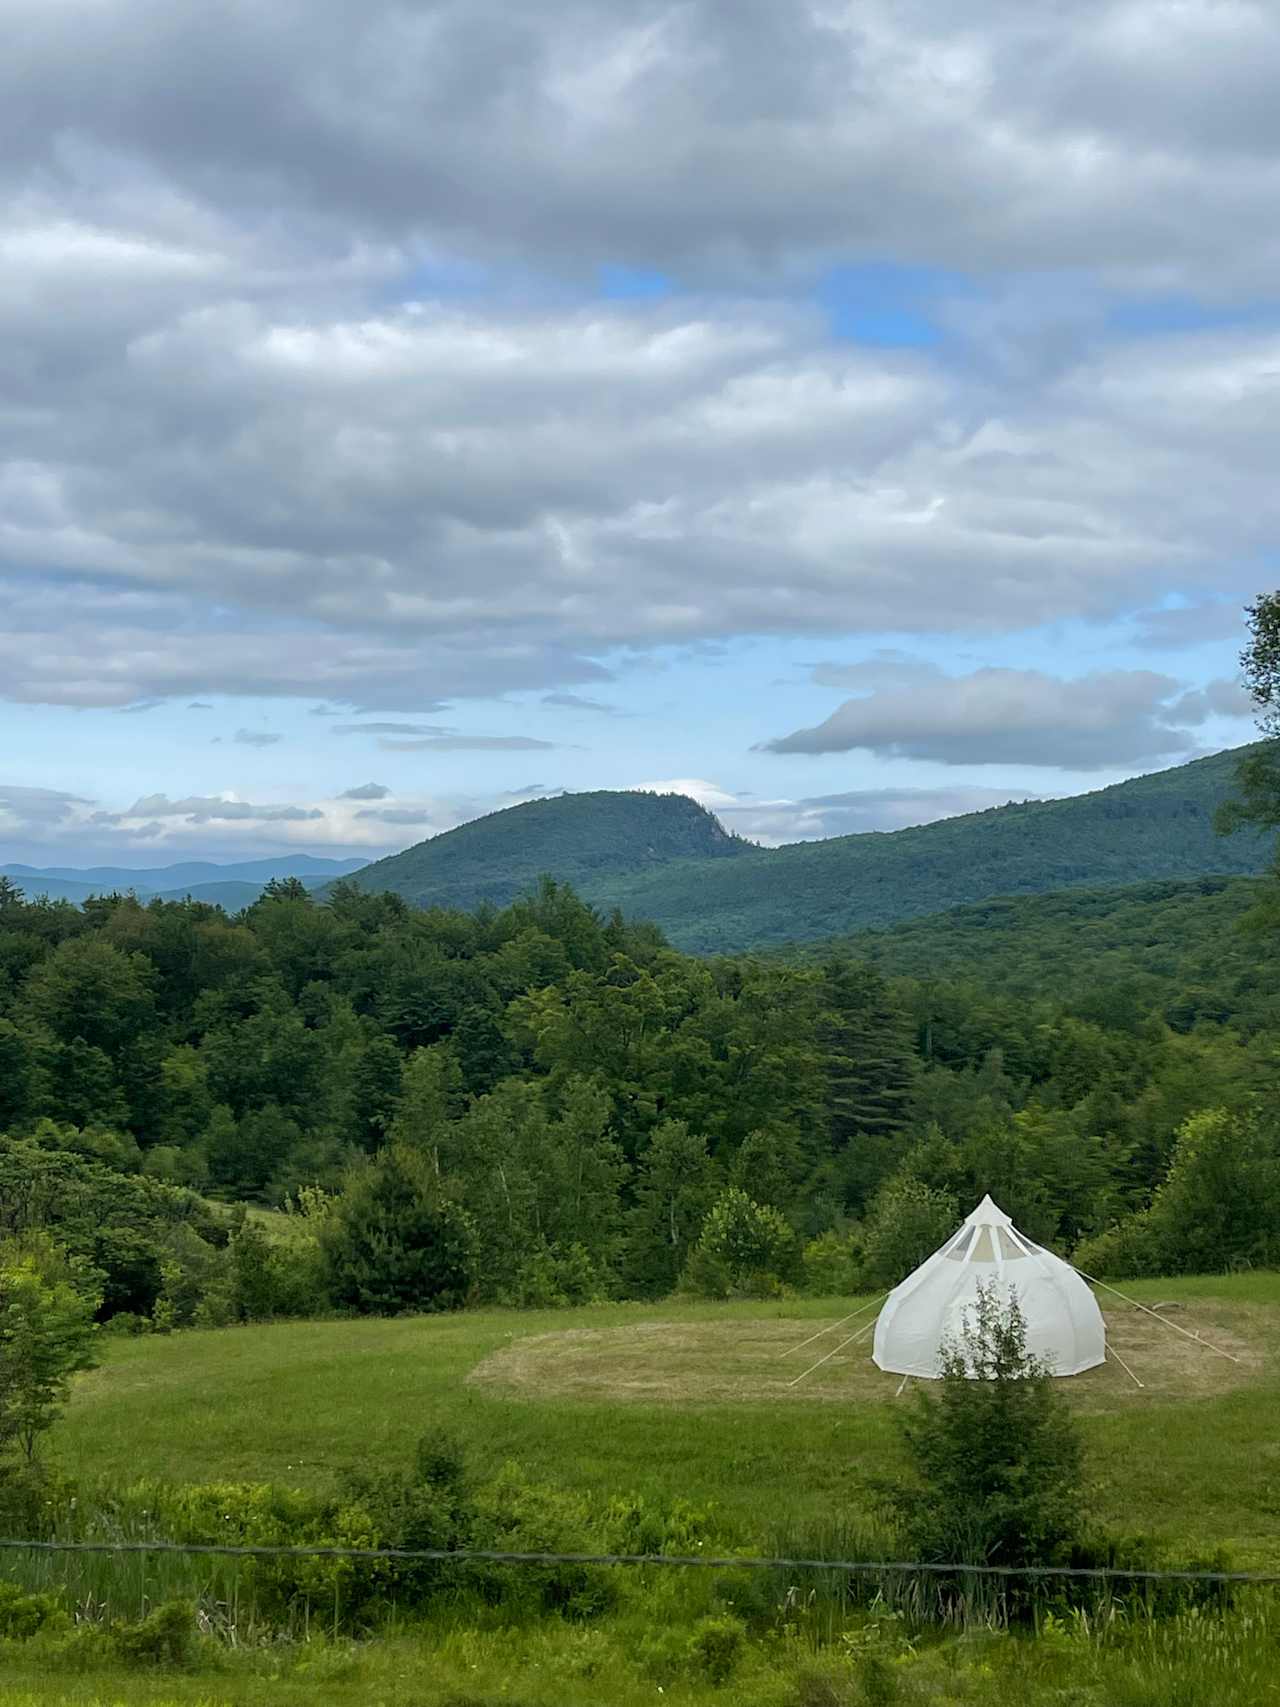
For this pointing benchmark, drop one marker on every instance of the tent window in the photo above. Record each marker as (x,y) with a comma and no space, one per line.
(983,1251)
(960,1249)
(1010,1250)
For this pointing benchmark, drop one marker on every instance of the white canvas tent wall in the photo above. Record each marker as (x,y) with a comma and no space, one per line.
(1064,1323)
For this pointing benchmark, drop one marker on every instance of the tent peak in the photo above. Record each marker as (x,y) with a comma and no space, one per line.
(989,1214)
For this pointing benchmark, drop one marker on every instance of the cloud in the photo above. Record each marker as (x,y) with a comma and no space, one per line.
(699,138)
(205,809)
(858,812)
(577,702)
(388,729)
(255,738)
(23,809)
(1188,625)
(1104,720)
(199,705)
(287,415)
(1221,698)
(708,794)
(366,791)
(398,814)
(468,744)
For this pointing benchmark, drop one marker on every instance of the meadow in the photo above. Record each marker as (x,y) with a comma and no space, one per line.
(300,1402)
(675,1402)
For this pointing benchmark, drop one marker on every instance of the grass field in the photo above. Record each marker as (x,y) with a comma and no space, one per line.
(683,1400)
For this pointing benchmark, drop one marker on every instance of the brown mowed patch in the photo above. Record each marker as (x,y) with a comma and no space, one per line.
(714,1363)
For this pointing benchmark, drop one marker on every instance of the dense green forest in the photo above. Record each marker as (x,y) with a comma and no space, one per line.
(539,1103)
(1158,826)
(1183,949)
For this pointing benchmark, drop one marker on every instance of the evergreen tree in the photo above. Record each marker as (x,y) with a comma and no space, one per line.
(994,1452)
(871,1071)
(394,1242)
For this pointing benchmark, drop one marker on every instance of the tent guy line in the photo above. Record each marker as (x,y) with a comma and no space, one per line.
(865,1329)
(832,1326)
(1195,1338)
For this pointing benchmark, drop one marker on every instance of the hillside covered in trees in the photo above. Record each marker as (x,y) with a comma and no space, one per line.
(541,1104)
(665,859)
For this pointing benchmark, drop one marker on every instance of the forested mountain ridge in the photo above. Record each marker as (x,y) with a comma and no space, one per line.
(1180,948)
(1156,826)
(588,840)
(662,858)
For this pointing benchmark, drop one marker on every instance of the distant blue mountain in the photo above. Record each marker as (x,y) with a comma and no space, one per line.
(232,886)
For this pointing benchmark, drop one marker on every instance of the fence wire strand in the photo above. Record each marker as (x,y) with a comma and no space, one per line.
(496,1556)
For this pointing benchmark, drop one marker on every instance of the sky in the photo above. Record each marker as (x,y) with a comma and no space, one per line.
(850,414)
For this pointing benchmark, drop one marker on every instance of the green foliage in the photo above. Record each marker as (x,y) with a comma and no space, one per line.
(46,1336)
(165,1637)
(832,1264)
(745,1248)
(395,1242)
(908,1221)
(995,1456)
(1218,1207)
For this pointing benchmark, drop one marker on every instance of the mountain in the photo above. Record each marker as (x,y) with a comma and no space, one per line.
(588,840)
(231,886)
(662,857)
(1157,826)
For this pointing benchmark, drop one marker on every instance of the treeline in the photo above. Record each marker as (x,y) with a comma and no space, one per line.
(539,1104)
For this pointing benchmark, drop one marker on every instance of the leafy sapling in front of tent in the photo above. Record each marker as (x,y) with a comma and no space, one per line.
(994,1453)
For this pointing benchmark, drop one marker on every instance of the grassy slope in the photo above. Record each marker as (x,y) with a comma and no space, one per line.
(298,1402)
(578,838)
(1158,826)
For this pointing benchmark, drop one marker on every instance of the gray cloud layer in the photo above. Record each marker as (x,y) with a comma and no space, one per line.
(996,716)
(702,136)
(230,464)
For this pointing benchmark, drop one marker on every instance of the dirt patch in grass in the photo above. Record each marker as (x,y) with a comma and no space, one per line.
(691,1363)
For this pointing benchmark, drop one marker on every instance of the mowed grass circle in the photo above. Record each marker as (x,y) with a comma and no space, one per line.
(684,1401)
(676,1362)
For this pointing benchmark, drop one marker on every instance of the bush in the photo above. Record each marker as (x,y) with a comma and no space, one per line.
(832,1264)
(907,1223)
(165,1637)
(744,1248)
(716,1646)
(22,1615)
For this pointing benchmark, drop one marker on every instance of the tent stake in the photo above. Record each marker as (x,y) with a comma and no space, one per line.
(1159,1318)
(865,1329)
(861,1310)
(1113,1353)
(901,1385)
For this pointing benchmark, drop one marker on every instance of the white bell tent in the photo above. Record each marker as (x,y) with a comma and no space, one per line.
(926,1311)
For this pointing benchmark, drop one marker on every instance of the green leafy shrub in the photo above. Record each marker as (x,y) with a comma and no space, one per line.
(832,1264)
(716,1647)
(165,1637)
(906,1223)
(23,1614)
(744,1248)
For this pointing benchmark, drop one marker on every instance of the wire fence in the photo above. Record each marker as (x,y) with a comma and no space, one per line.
(851,1567)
